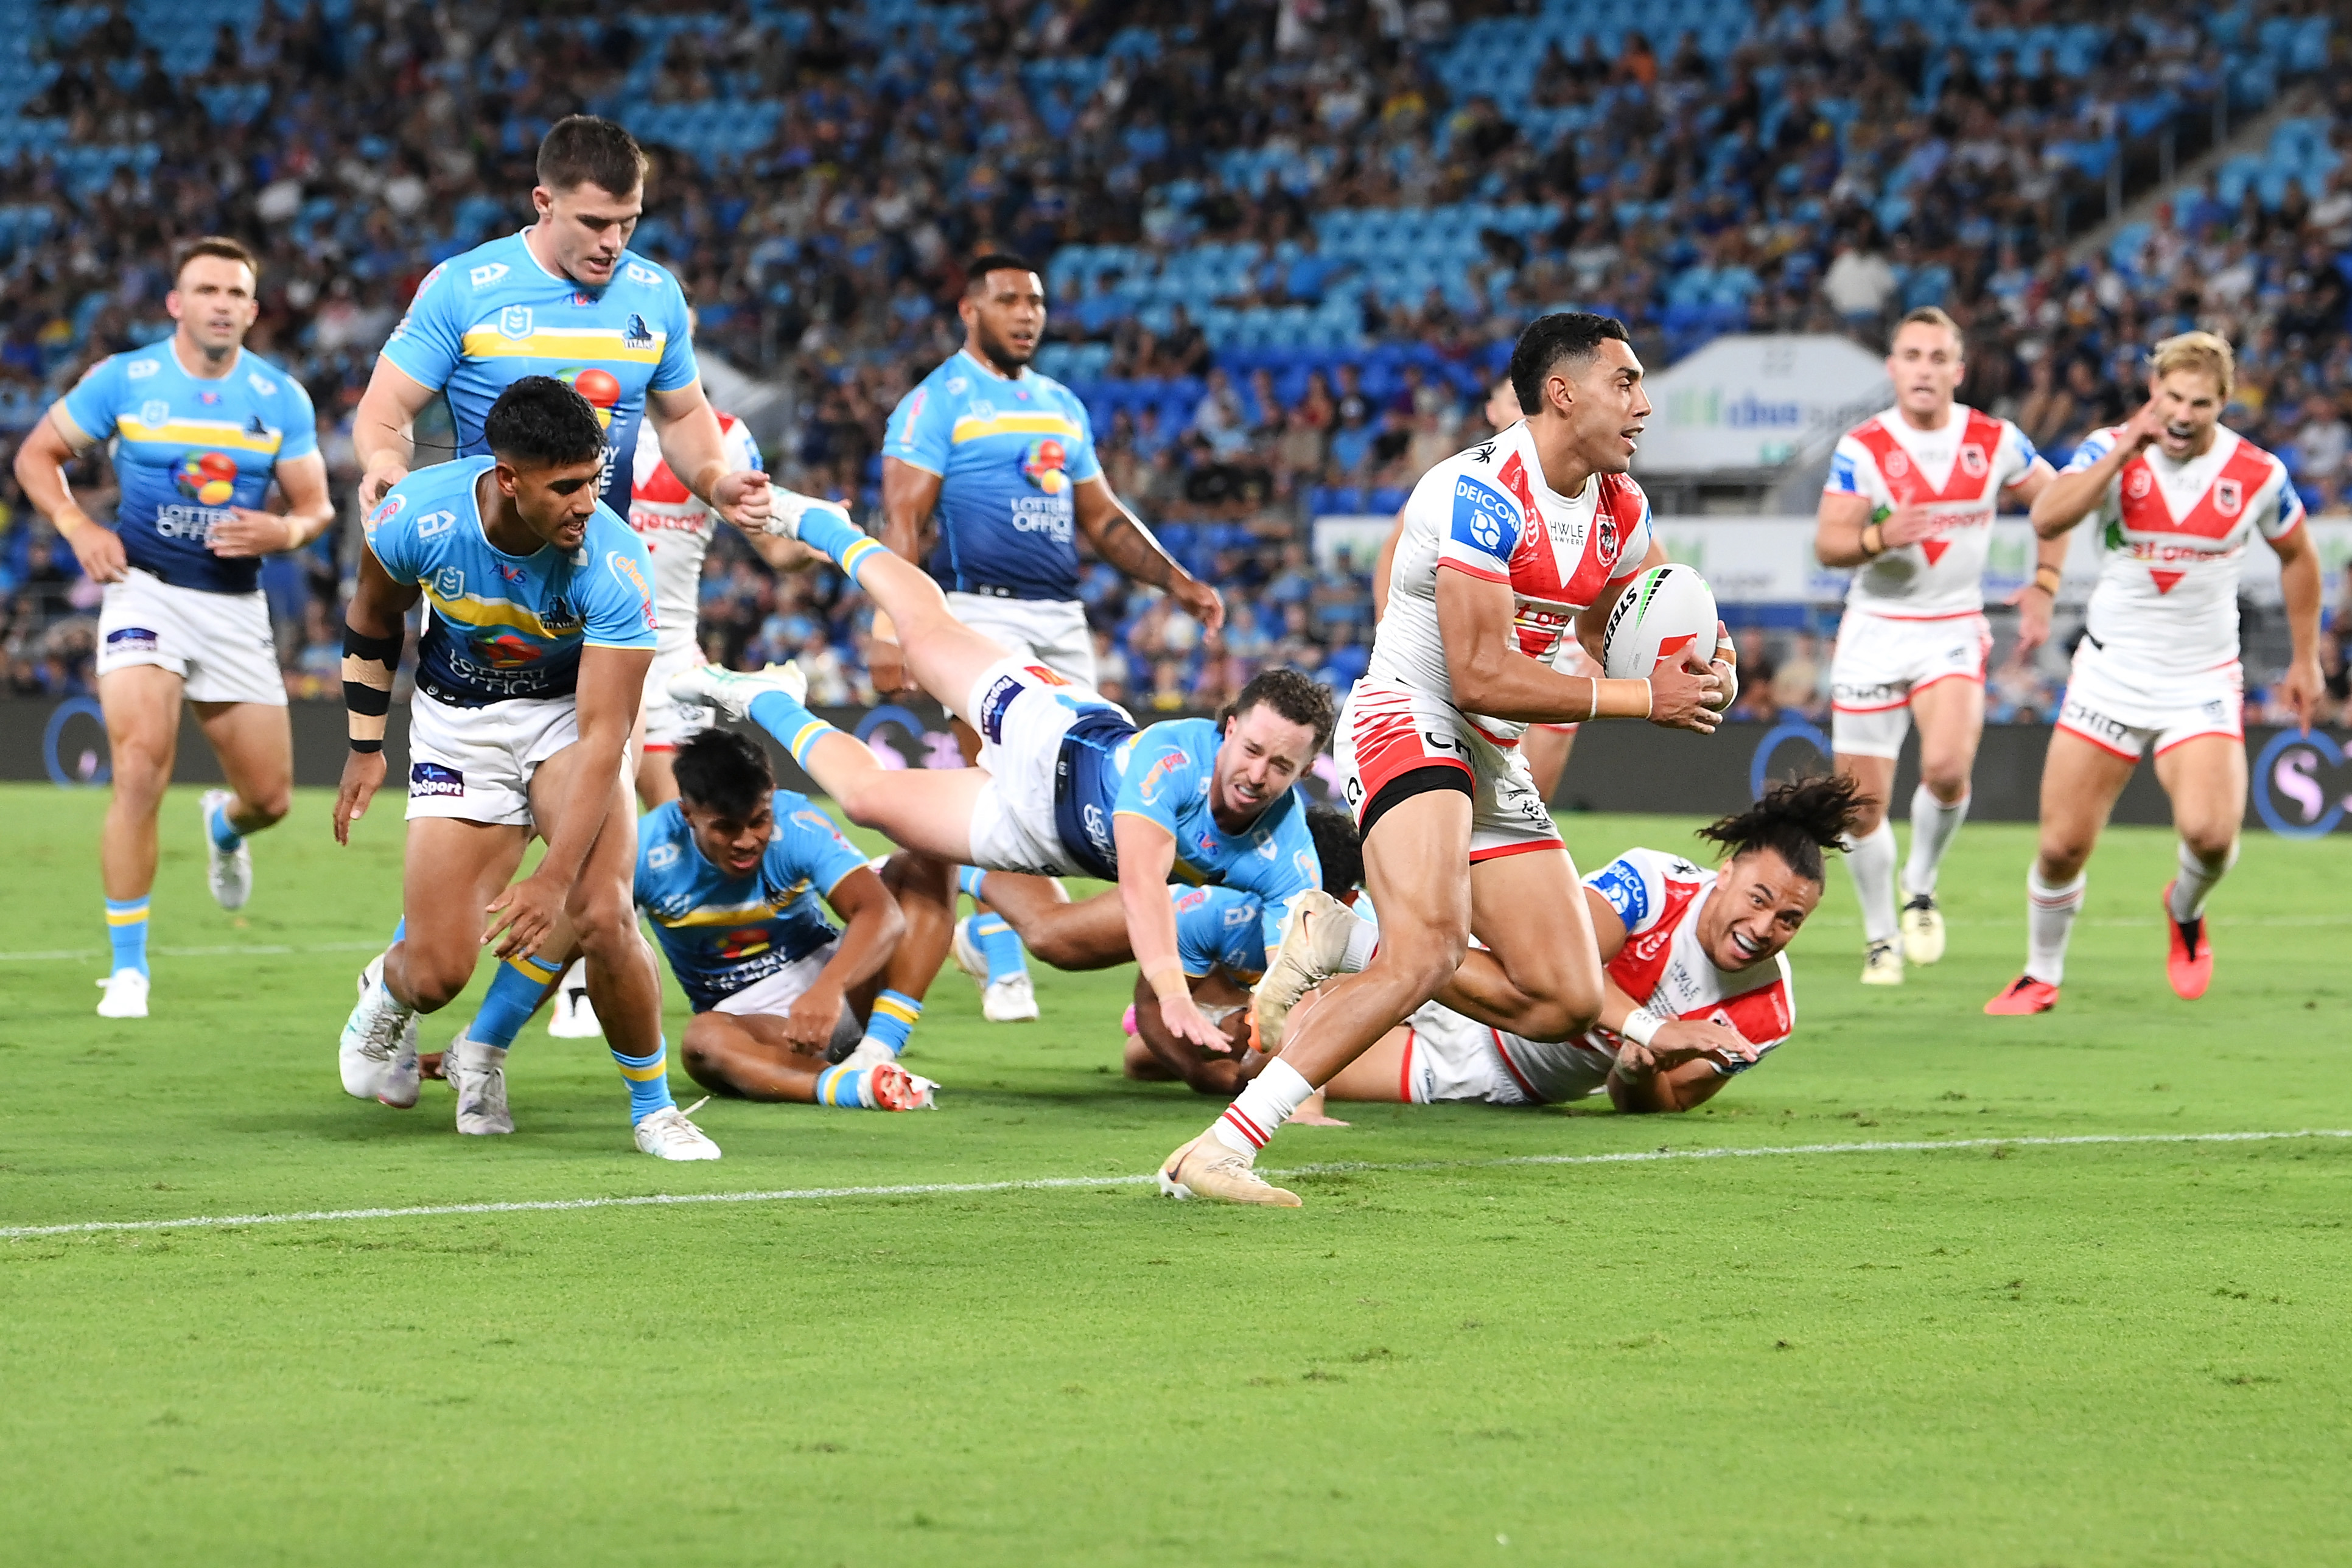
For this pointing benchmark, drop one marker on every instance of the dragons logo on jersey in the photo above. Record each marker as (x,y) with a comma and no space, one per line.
(208,478)
(599,387)
(1043,463)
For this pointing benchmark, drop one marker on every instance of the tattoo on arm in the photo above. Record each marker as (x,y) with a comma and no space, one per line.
(1129,546)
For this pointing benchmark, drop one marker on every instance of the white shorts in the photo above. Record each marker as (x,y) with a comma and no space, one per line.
(1051,632)
(773,995)
(1883,662)
(218,644)
(2123,712)
(1389,731)
(475,763)
(1016,707)
(1449,1057)
(668,720)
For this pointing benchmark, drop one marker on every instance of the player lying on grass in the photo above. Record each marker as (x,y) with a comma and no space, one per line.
(1697,987)
(1066,783)
(529,677)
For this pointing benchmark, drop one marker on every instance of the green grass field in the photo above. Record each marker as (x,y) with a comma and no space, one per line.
(2003,1351)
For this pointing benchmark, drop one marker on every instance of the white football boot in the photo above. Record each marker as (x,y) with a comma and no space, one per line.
(1883,964)
(378,1053)
(666,1135)
(1923,930)
(731,690)
(228,872)
(571,1016)
(1012,1000)
(126,994)
(477,1073)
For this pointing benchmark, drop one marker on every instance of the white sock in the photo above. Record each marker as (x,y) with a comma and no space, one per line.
(1933,823)
(1363,937)
(2049,920)
(1871,858)
(2196,881)
(1272,1099)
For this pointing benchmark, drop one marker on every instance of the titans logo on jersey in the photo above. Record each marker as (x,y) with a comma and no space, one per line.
(187,450)
(1218,928)
(507,626)
(721,933)
(485,319)
(1008,454)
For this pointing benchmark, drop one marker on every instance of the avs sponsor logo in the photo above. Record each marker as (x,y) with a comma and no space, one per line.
(261,383)
(1623,885)
(433,523)
(515,575)
(638,272)
(132,639)
(1000,694)
(1483,517)
(1044,465)
(141,369)
(636,335)
(581,299)
(154,410)
(209,478)
(431,778)
(487,273)
(514,322)
(661,857)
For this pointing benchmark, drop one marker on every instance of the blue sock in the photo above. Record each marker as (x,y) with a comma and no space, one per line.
(126,927)
(515,991)
(893,1019)
(823,528)
(997,943)
(843,1088)
(400,933)
(968,880)
(648,1078)
(790,723)
(225,838)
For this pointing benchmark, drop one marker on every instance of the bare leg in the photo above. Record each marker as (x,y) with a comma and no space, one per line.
(1949,716)
(925,887)
(142,733)
(747,1055)
(1088,934)
(254,744)
(2079,787)
(624,984)
(2205,778)
(453,871)
(1538,978)
(657,779)
(1876,777)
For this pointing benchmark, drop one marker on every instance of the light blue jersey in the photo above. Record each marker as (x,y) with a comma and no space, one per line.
(186,450)
(485,319)
(1219,928)
(722,933)
(1007,454)
(507,626)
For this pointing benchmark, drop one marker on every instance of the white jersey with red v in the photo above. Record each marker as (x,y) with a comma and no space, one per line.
(2172,538)
(1488,513)
(1957,472)
(676,527)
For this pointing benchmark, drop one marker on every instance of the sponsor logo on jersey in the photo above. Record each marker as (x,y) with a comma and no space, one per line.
(207,398)
(1001,693)
(1042,465)
(1608,540)
(1622,885)
(661,857)
(1842,475)
(391,506)
(507,650)
(487,273)
(1043,676)
(436,522)
(207,477)
(742,942)
(132,639)
(431,778)
(1097,831)
(154,410)
(625,571)
(817,822)
(1161,767)
(1482,515)
(256,425)
(261,383)
(141,369)
(599,387)
(514,322)
(637,272)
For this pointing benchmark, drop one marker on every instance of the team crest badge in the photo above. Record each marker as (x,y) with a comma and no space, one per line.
(514,322)
(154,410)
(2228,497)
(1972,461)
(1897,465)
(2137,484)
(1607,537)
(1043,463)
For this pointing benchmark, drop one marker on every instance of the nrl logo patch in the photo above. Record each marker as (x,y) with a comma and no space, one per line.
(514,322)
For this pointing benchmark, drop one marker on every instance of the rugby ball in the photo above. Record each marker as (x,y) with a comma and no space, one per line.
(1663,612)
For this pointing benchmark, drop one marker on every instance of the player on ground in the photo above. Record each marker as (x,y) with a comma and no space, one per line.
(1505,546)
(1066,784)
(199,429)
(2177,497)
(1002,460)
(731,873)
(1544,747)
(1699,989)
(1910,502)
(528,680)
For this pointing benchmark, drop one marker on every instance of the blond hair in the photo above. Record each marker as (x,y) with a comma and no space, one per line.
(2207,353)
(1929,316)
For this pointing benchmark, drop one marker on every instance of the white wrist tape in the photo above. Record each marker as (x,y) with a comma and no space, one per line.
(1641,1025)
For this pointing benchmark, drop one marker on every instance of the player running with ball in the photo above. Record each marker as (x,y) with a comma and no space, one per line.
(1506,545)
(1910,503)
(2177,497)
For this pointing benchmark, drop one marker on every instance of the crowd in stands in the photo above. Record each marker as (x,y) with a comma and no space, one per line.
(1288,242)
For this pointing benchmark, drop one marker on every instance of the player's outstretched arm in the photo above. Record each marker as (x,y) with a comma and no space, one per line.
(1120,538)
(2072,496)
(1146,853)
(1221,1075)
(871,926)
(694,448)
(41,474)
(384,428)
(1490,675)
(373,623)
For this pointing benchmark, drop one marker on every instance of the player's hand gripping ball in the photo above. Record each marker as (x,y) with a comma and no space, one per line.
(1667,612)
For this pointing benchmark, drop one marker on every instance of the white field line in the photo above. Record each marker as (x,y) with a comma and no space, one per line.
(66,955)
(1044,1184)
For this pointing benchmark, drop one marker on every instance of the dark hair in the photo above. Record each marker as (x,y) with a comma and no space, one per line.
(1796,820)
(1292,693)
(218,244)
(1563,334)
(1339,846)
(723,771)
(976,279)
(542,422)
(583,150)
